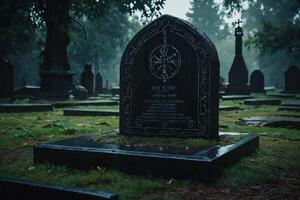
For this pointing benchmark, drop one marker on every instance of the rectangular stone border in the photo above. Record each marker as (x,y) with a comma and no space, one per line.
(14,108)
(90,112)
(205,166)
(84,103)
(16,189)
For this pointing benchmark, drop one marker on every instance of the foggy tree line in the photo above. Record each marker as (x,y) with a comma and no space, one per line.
(271,33)
(97,32)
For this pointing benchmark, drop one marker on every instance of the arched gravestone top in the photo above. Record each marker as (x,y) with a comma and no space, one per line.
(169,81)
(257,81)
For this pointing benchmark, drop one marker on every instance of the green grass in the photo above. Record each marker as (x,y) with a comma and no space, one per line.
(19,132)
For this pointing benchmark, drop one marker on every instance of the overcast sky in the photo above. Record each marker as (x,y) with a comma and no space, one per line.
(177,8)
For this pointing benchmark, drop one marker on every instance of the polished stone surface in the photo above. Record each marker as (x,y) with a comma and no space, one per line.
(19,189)
(205,165)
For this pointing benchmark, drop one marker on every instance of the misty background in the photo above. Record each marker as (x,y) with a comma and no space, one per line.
(102,41)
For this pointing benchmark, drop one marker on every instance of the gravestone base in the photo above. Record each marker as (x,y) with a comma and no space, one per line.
(56,85)
(233,90)
(18,189)
(206,165)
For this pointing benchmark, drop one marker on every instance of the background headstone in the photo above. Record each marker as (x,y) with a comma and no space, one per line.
(257,82)
(222,84)
(168,81)
(98,84)
(6,79)
(87,79)
(292,80)
(238,74)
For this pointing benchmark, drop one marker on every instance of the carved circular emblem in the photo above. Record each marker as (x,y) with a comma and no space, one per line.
(164,62)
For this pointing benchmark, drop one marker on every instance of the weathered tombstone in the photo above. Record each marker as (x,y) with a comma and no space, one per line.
(80,92)
(115,90)
(292,80)
(222,84)
(238,74)
(257,82)
(170,82)
(6,79)
(98,84)
(87,79)
(169,86)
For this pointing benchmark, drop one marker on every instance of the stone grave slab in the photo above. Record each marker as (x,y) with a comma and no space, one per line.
(18,189)
(229,108)
(85,154)
(25,107)
(64,104)
(27,91)
(90,112)
(257,102)
(282,95)
(289,107)
(282,122)
(236,97)
(293,115)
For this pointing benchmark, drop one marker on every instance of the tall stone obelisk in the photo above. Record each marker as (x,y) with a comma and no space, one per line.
(238,74)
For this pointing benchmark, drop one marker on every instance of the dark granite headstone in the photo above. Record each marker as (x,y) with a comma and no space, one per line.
(257,82)
(6,79)
(292,80)
(87,79)
(170,81)
(98,84)
(238,74)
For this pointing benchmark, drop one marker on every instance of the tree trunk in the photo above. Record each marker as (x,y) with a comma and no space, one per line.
(56,78)
(58,26)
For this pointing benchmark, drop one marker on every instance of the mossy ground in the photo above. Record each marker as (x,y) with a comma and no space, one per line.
(277,156)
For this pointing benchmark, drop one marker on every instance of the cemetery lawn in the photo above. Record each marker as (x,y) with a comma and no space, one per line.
(273,172)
